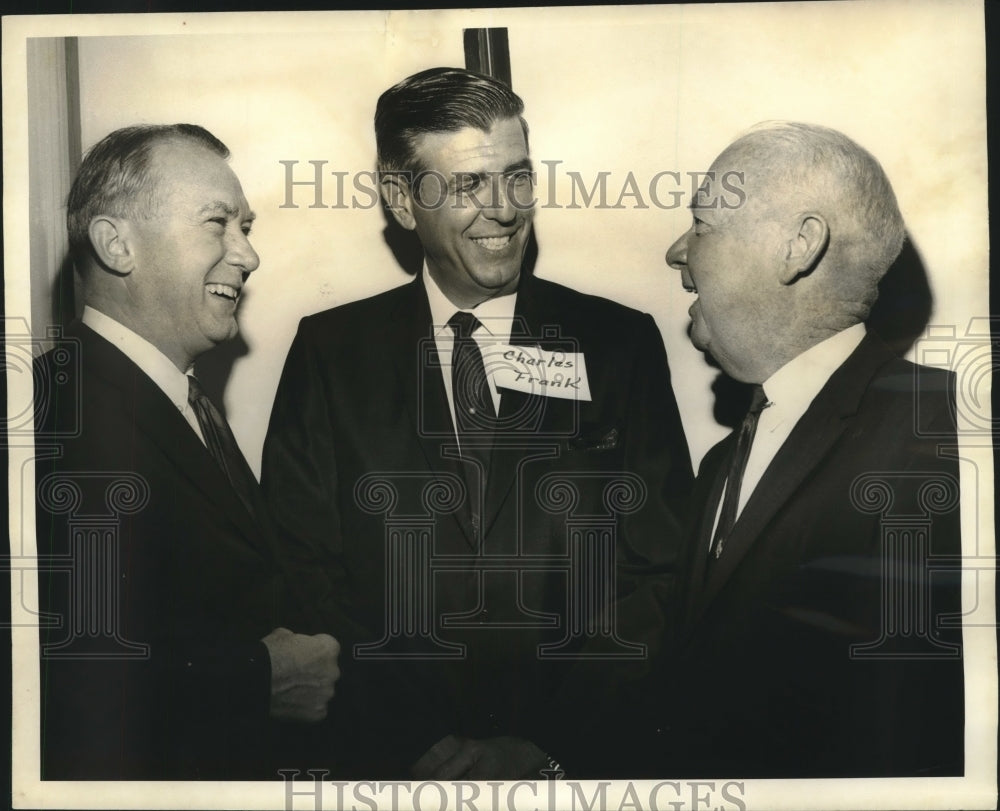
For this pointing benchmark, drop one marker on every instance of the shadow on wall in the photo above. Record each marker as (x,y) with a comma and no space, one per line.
(405,245)
(900,316)
(216,365)
(904,304)
(63,294)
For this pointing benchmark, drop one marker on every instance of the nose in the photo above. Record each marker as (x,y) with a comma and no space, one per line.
(500,205)
(240,253)
(677,253)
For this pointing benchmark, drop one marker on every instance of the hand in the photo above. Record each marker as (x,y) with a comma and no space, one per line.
(502,758)
(303,670)
(430,762)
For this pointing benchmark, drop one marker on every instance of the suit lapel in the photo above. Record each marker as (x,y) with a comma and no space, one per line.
(159,420)
(414,354)
(808,444)
(712,477)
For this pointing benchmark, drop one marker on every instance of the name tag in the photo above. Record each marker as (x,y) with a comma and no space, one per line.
(533,370)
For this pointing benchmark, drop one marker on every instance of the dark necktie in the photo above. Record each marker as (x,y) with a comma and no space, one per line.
(222,445)
(475,416)
(737,466)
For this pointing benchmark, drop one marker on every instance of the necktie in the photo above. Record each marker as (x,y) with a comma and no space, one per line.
(222,445)
(737,466)
(475,416)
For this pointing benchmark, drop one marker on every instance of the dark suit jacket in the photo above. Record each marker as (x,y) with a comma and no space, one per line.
(818,644)
(360,429)
(161,673)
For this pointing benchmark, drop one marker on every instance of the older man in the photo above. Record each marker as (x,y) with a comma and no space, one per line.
(164,651)
(821,630)
(471,464)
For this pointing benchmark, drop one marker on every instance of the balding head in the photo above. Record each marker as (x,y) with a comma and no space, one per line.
(162,225)
(806,167)
(799,259)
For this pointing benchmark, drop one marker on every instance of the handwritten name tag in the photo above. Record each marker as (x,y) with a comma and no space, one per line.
(533,370)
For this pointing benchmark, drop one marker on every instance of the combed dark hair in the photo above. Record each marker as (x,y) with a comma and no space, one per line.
(115,177)
(438,100)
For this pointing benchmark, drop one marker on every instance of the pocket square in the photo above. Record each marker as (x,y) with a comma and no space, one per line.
(594,441)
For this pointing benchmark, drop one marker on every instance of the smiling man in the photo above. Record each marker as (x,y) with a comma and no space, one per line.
(822,634)
(436,491)
(471,203)
(168,657)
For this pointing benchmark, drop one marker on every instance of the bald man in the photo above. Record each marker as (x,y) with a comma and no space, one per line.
(816,641)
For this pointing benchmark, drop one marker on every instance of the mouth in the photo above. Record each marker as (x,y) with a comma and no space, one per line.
(493,243)
(224,291)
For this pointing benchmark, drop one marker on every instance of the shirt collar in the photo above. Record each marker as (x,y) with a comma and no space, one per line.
(797,383)
(495,314)
(157,366)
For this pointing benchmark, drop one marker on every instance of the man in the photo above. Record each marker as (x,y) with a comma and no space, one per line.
(820,587)
(164,646)
(434,390)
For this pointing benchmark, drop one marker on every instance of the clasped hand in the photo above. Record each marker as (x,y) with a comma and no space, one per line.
(501,758)
(303,671)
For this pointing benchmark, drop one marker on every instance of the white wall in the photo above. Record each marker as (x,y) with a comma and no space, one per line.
(272,97)
(668,89)
(614,89)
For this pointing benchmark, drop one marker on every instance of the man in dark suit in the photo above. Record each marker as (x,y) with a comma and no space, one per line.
(472,466)
(164,651)
(822,635)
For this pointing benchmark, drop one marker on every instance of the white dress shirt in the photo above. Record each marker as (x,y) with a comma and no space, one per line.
(156,366)
(496,316)
(790,391)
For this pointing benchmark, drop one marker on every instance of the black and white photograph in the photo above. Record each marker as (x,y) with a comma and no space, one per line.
(501,408)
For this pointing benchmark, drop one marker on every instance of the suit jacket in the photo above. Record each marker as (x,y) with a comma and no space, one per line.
(458,587)
(156,584)
(823,642)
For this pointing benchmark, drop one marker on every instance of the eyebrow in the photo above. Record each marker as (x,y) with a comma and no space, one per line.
(229,210)
(524,163)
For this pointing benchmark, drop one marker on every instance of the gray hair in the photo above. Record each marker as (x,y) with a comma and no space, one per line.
(822,168)
(116,178)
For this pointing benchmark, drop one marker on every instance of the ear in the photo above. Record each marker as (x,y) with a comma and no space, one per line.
(397,196)
(110,239)
(806,248)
